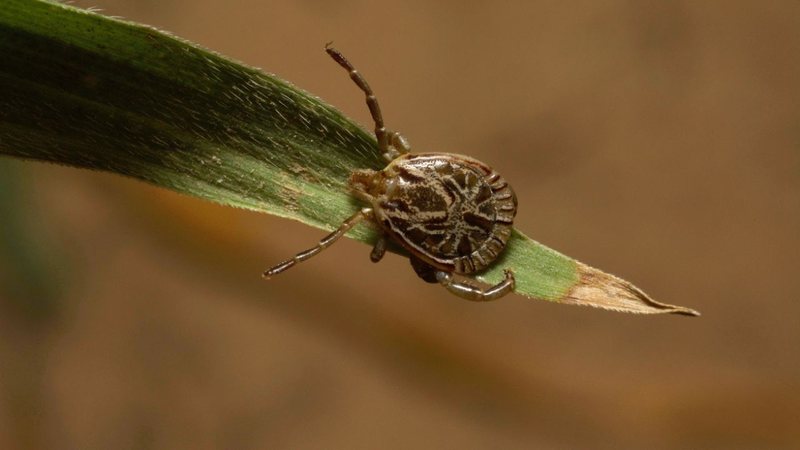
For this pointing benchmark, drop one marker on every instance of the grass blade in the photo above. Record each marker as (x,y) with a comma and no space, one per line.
(84,90)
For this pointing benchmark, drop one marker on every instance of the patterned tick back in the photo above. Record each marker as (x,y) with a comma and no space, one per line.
(453,212)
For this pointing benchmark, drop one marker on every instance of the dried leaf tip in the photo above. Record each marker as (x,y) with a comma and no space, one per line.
(602,290)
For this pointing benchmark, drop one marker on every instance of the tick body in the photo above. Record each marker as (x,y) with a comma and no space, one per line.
(452,213)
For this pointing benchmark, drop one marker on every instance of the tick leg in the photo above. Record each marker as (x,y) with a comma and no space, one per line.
(372,102)
(399,143)
(379,249)
(474,293)
(326,242)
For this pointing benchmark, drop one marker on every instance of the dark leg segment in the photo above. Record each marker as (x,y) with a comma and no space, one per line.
(326,242)
(379,249)
(474,293)
(424,270)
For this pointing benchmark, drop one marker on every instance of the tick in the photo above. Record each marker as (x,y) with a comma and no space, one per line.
(453,214)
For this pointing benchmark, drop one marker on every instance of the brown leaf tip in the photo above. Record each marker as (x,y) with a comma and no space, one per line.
(602,290)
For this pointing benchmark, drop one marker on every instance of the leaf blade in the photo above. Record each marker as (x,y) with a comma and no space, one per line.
(81,89)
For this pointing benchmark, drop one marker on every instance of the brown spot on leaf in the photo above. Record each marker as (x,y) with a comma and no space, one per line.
(303,173)
(290,196)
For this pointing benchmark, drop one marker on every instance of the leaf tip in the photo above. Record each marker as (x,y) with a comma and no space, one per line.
(602,290)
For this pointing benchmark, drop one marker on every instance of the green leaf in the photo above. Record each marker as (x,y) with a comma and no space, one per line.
(85,90)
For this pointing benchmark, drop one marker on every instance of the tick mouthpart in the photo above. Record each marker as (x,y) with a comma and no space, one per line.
(369,182)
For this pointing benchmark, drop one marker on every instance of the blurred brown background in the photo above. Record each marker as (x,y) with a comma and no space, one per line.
(659,141)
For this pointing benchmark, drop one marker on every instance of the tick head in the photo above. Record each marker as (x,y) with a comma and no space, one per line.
(367,184)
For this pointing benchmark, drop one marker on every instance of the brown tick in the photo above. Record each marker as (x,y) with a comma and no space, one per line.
(453,214)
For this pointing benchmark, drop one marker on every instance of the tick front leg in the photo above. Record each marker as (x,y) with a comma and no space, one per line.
(372,102)
(473,293)
(326,242)
(390,143)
